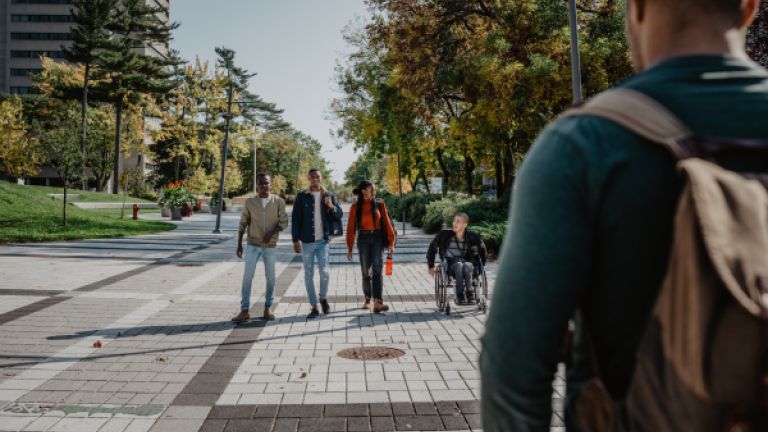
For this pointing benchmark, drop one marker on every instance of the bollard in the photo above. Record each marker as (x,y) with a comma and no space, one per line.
(135,211)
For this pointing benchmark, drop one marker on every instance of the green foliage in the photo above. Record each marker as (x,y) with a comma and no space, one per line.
(440,213)
(492,234)
(136,184)
(20,153)
(453,86)
(483,210)
(176,197)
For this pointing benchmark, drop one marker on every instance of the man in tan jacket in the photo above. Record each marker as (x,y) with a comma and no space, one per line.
(264,217)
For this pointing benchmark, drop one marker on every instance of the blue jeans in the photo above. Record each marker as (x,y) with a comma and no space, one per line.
(311,251)
(252,255)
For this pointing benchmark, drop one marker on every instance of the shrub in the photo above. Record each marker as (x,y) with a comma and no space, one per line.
(492,234)
(418,211)
(441,212)
(483,210)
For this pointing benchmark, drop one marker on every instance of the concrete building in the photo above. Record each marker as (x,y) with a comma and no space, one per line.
(30,29)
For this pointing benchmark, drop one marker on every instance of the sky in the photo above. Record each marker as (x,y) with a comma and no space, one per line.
(293,45)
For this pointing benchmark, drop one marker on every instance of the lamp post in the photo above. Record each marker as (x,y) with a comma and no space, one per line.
(400,189)
(575,56)
(228,117)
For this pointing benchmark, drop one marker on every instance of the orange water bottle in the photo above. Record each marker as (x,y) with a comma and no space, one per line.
(389,265)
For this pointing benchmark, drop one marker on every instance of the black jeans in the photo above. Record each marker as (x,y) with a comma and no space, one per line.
(370,245)
(462,273)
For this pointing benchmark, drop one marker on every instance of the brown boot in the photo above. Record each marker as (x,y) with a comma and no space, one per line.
(379,306)
(367,304)
(242,317)
(267,315)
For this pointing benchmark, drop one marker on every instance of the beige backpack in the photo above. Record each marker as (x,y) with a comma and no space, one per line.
(703,364)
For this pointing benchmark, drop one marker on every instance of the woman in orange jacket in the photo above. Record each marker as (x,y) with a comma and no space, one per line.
(370,222)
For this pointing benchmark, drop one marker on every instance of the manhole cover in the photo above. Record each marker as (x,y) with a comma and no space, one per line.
(370,353)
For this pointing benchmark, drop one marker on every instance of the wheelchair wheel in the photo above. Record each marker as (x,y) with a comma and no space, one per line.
(440,291)
(482,297)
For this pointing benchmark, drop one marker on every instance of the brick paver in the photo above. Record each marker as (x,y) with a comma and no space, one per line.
(133,335)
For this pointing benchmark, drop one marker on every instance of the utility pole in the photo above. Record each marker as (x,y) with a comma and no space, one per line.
(255,168)
(575,55)
(224,150)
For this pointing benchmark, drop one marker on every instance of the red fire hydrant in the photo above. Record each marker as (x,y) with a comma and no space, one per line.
(135,211)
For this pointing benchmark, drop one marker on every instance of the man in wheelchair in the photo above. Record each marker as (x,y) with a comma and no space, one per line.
(461,251)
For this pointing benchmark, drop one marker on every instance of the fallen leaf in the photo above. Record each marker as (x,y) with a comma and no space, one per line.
(97,344)
(303,375)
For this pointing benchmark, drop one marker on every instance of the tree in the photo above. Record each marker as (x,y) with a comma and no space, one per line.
(126,72)
(90,34)
(60,141)
(460,84)
(20,153)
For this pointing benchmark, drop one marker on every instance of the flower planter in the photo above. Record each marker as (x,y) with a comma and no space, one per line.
(165,211)
(176,213)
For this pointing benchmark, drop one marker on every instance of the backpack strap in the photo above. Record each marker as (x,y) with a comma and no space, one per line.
(640,114)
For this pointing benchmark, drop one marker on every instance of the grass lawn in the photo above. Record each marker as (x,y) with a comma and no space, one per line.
(85,196)
(28,214)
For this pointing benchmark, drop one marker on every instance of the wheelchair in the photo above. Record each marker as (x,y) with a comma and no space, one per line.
(445,286)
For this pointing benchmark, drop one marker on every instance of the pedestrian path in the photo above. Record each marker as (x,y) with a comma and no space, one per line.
(134,335)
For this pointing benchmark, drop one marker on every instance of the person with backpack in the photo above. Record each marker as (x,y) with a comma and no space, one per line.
(639,221)
(371,224)
(315,211)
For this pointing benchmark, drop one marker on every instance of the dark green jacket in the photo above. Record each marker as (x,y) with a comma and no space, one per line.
(590,228)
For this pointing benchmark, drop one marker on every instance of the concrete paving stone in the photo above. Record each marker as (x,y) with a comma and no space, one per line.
(418,423)
(41,424)
(232,412)
(292,411)
(196,399)
(469,407)
(327,424)
(286,425)
(369,397)
(141,399)
(382,424)
(116,424)
(454,423)
(79,425)
(186,412)
(251,425)
(177,425)
(14,423)
(261,399)
(474,421)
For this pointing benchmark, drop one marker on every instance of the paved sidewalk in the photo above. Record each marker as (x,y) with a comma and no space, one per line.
(133,335)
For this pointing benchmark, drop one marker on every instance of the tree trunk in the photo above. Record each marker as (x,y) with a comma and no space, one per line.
(509,175)
(84,121)
(64,210)
(469,169)
(443,168)
(423,176)
(410,183)
(116,172)
(499,161)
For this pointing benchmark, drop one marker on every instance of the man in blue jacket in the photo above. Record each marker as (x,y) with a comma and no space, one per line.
(314,213)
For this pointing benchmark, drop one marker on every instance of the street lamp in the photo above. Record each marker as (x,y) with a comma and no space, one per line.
(400,189)
(575,56)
